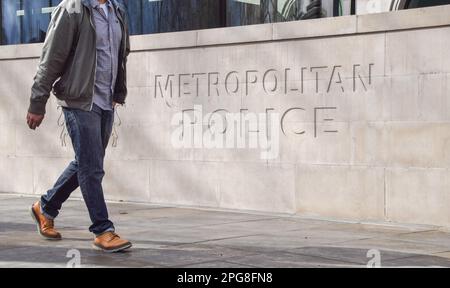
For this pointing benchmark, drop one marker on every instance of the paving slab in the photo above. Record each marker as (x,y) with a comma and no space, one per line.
(166,236)
(218,264)
(352,255)
(425,261)
(396,245)
(432,237)
(289,260)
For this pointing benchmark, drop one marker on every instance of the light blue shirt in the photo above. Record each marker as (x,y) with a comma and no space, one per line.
(109,37)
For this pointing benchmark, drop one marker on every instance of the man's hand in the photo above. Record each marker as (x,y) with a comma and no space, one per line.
(34,120)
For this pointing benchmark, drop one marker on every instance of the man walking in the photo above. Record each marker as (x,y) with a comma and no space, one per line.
(84,63)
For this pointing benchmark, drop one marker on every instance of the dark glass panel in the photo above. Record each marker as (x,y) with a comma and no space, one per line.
(426,3)
(246,12)
(134,8)
(156,16)
(25,21)
(10,22)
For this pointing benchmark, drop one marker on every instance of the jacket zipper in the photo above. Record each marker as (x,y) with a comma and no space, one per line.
(124,38)
(95,65)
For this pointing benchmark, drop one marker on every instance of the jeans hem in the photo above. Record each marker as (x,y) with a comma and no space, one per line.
(46,215)
(106,231)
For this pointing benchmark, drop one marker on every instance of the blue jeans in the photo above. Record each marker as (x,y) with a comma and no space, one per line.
(90,132)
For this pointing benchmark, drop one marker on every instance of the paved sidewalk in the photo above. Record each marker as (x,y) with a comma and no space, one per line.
(178,237)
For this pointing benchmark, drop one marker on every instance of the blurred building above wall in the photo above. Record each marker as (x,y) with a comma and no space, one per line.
(26,21)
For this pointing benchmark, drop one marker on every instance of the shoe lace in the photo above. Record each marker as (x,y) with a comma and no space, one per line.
(49,223)
(113,236)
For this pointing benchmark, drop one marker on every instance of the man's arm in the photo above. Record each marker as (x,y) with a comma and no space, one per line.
(57,47)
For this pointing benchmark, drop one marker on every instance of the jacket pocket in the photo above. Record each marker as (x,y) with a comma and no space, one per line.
(63,88)
(59,89)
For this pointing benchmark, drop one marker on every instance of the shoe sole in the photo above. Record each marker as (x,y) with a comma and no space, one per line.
(115,250)
(38,226)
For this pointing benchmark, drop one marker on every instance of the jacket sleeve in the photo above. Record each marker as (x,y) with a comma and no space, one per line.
(56,50)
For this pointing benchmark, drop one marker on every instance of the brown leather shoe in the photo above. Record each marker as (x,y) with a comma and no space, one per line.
(45,227)
(111,242)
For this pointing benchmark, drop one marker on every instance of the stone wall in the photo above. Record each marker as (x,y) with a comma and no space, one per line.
(358,111)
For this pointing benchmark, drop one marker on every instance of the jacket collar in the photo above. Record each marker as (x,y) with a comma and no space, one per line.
(95,3)
(117,5)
